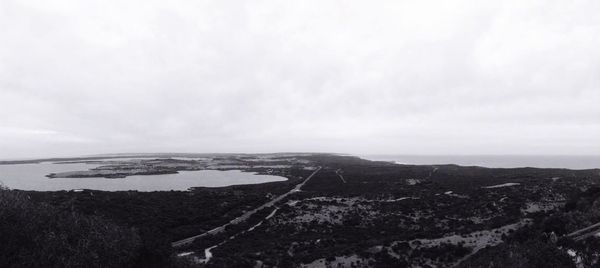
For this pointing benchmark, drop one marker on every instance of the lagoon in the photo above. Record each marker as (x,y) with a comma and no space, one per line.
(33,177)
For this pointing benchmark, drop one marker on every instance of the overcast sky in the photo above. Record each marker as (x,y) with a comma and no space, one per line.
(363,77)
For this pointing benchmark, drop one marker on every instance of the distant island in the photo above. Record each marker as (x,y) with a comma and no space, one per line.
(124,167)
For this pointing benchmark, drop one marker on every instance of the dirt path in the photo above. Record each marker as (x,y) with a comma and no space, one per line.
(245,216)
(585,232)
(339,173)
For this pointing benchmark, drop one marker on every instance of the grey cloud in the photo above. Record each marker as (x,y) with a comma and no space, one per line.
(420,77)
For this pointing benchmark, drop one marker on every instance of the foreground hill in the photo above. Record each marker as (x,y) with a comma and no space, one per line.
(38,235)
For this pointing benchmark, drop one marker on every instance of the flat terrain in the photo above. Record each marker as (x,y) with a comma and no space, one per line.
(343,211)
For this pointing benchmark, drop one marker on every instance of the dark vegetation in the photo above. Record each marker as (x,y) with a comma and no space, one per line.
(174,214)
(142,225)
(38,235)
(545,244)
(366,225)
(377,216)
(528,247)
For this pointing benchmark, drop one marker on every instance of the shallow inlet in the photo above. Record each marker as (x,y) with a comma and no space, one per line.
(32,177)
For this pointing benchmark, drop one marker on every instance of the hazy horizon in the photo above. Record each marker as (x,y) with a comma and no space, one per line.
(385,77)
(366,156)
(577,162)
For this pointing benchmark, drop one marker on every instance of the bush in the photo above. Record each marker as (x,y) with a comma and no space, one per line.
(39,235)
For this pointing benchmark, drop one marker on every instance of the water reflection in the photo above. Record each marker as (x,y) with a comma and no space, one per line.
(32,177)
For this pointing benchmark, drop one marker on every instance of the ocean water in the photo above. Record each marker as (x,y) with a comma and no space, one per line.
(495,161)
(32,177)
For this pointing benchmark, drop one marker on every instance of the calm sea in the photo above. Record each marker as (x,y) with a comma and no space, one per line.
(495,161)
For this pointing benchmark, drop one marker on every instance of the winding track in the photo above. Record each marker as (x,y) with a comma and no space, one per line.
(245,216)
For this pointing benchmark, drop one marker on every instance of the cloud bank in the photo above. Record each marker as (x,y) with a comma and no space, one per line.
(400,77)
